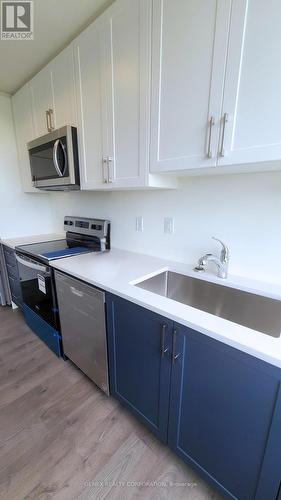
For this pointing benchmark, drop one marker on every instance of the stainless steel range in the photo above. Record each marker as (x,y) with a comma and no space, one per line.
(40,308)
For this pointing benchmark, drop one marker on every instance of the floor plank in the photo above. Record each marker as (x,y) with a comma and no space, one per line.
(62,438)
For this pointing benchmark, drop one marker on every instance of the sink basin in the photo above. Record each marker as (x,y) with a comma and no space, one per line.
(248,309)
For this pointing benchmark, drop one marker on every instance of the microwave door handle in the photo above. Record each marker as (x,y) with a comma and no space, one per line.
(31,265)
(55,158)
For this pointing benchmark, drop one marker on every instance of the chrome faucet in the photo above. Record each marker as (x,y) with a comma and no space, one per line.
(221,262)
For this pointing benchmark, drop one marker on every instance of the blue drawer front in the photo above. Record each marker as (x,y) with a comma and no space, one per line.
(43,330)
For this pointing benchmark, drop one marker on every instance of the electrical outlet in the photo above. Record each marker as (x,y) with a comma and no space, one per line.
(168,225)
(139,224)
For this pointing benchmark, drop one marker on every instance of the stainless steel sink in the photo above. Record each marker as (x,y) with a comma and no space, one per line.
(254,311)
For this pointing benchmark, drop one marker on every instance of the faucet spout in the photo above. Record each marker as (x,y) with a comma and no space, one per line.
(221,262)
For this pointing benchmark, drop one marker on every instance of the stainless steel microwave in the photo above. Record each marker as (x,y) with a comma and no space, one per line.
(54,160)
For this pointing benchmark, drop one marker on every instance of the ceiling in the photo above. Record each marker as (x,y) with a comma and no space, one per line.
(56,23)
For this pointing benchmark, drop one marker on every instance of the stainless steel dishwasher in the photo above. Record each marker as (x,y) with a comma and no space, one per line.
(82,319)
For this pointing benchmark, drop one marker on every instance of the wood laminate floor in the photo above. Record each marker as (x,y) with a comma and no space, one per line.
(62,438)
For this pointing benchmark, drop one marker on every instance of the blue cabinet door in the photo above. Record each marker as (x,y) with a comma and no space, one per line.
(221,409)
(140,361)
(270,478)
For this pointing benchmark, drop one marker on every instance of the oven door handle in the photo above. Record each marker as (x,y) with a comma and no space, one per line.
(55,157)
(31,264)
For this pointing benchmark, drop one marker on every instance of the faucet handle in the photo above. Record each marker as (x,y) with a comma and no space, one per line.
(225,250)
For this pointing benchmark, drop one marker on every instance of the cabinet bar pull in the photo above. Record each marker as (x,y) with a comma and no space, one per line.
(51,115)
(211,124)
(48,120)
(174,355)
(163,350)
(109,166)
(105,169)
(224,121)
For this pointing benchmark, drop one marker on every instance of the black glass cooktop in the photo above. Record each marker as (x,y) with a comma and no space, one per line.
(50,250)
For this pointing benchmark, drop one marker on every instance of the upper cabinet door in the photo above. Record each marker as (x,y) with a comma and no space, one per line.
(62,68)
(127,71)
(43,101)
(90,104)
(252,98)
(188,64)
(53,94)
(24,129)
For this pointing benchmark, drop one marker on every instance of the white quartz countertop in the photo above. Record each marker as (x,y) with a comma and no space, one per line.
(117,270)
(28,240)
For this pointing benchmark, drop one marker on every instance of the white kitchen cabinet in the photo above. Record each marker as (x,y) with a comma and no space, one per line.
(188,63)
(53,94)
(216,86)
(63,82)
(90,98)
(113,94)
(252,96)
(42,101)
(24,129)
(127,70)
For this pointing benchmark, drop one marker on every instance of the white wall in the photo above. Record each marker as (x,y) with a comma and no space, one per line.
(20,214)
(244,210)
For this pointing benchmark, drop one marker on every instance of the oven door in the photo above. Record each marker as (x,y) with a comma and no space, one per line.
(53,159)
(37,287)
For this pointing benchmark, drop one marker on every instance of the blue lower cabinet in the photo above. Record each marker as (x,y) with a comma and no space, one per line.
(270,477)
(139,358)
(218,408)
(225,416)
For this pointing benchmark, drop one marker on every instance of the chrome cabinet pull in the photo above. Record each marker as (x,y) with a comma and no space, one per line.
(109,166)
(174,355)
(107,162)
(211,124)
(163,349)
(48,120)
(51,115)
(105,169)
(224,121)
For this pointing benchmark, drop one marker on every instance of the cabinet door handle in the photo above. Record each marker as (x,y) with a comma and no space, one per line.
(105,169)
(174,355)
(48,120)
(109,167)
(211,124)
(224,122)
(163,333)
(51,115)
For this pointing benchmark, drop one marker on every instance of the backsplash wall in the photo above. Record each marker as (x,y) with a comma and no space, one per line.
(242,210)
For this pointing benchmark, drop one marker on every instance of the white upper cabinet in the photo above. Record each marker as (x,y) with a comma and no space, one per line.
(113,62)
(188,65)
(42,101)
(127,70)
(53,94)
(252,97)
(24,129)
(90,97)
(155,86)
(63,82)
